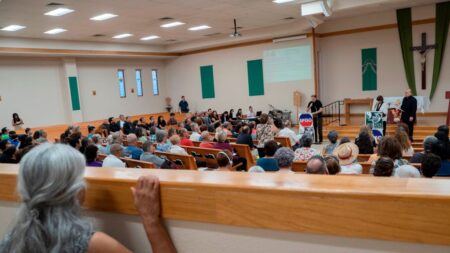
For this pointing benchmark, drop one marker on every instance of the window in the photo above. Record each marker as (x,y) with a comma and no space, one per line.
(155,82)
(139,83)
(121,77)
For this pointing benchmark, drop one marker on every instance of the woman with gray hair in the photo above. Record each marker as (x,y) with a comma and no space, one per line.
(285,157)
(52,188)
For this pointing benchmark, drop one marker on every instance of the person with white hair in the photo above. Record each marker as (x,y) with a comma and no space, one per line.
(114,138)
(132,150)
(113,159)
(288,132)
(175,148)
(52,190)
(195,135)
(256,169)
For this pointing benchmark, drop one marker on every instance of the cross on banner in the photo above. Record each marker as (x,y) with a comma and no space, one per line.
(423,50)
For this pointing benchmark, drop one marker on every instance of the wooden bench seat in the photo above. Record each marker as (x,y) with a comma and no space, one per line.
(131,163)
(283,141)
(208,155)
(186,161)
(244,151)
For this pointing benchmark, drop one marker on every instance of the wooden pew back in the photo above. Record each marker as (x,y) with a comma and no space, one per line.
(207,155)
(284,141)
(188,161)
(131,163)
(244,151)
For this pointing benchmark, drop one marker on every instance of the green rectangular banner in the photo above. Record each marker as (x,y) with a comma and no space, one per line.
(255,78)
(369,69)
(74,96)
(207,78)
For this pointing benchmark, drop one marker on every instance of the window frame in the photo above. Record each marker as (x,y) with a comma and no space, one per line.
(154,70)
(141,84)
(124,84)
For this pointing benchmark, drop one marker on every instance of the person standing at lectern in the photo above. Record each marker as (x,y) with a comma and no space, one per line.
(315,108)
(184,106)
(409,109)
(382,107)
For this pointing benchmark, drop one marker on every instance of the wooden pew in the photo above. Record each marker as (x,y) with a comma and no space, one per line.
(244,151)
(188,161)
(365,157)
(284,141)
(131,163)
(208,155)
(299,166)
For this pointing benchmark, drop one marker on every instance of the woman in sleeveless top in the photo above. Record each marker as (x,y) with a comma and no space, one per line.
(52,188)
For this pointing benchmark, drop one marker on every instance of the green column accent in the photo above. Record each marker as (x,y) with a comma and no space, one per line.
(405,33)
(442,23)
(369,69)
(207,78)
(74,96)
(255,78)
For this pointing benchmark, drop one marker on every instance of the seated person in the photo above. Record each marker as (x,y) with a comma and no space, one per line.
(442,135)
(364,143)
(53,210)
(206,140)
(286,131)
(347,154)
(8,155)
(285,158)
(90,153)
(114,138)
(390,147)
(305,152)
(430,165)
(444,171)
(148,154)
(96,139)
(332,138)
(405,143)
(195,135)
(268,163)
(175,148)
(384,167)
(14,139)
(245,137)
(406,171)
(132,150)
(224,161)
(113,159)
(256,169)
(162,145)
(430,145)
(332,163)
(172,121)
(185,141)
(222,143)
(316,165)
(5,134)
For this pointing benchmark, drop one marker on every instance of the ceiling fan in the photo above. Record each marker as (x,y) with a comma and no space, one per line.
(236,34)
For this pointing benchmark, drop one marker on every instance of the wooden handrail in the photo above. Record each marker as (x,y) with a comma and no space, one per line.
(397,209)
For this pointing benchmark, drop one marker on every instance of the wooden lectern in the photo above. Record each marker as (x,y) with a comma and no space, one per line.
(447,96)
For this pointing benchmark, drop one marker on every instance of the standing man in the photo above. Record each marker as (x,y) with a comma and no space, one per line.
(409,108)
(184,106)
(315,108)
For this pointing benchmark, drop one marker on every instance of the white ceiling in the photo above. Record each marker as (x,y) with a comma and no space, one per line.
(141,18)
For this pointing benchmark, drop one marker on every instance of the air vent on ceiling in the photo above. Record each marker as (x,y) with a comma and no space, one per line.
(171,40)
(165,19)
(54,4)
(289,18)
(98,35)
(212,34)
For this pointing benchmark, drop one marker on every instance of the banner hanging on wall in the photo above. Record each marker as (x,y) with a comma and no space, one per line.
(369,69)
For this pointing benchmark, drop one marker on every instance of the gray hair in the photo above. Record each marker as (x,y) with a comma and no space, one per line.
(256,169)
(114,148)
(131,138)
(285,157)
(322,169)
(114,138)
(194,127)
(221,136)
(160,135)
(49,217)
(146,146)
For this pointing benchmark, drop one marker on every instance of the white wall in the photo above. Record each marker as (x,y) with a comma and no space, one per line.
(340,59)
(32,88)
(231,80)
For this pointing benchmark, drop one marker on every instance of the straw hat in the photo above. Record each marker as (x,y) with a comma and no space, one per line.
(346,153)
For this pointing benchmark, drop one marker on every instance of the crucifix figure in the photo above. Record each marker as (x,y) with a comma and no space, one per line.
(423,50)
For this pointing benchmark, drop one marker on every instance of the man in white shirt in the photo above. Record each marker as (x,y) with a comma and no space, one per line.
(288,132)
(251,114)
(121,120)
(195,135)
(175,148)
(113,160)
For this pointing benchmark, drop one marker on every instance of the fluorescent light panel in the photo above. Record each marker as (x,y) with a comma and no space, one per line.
(151,37)
(13,28)
(172,24)
(59,12)
(312,8)
(55,31)
(104,16)
(282,1)
(121,36)
(200,27)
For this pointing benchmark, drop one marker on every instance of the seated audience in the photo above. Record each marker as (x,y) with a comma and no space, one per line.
(245,137)
(285,157)
(226,127)
(195,135)
(256,169)
(3,145)
(390,147)
(224,161)
(268,163)
(406,171)
(5,134)
(113,159)
(405,142)
(114,138)
(384,167)
(264,133)
(185,141)
(96,139)
(8,155)
(251,114)
(90,154)
(161,141)
(442,136)
(172,121)
(239,115)
(347,154)
(148,154)
(49,217)
(222,143)
(316,165)
(84,143)
(332,138)
(42,137)
(224,117)
(288,132)
(141,134)
(430,165)
(430,145)
(161,123)
(206,140)
(175,148)
(305,152)
(132,150)
(332,163)
(14,139)
(364,143)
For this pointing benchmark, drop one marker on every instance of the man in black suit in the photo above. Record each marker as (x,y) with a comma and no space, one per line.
(409,108)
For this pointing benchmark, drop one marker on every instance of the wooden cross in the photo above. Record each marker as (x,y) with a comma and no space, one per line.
(423,50)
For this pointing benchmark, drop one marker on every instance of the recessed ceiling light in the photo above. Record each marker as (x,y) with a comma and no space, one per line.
(59,12)
(55,31)
(121,36)
(200,27)
(172,24)
(282,1)
(13,28)
(151,37)
(104,17)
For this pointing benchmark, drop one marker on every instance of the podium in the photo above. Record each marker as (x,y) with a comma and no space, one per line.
(447,96)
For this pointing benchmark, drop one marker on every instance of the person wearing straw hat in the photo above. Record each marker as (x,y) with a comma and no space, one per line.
(347,154)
